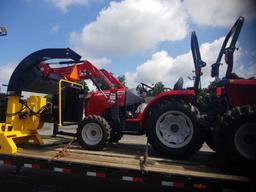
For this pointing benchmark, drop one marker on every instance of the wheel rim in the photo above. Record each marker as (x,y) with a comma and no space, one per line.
(174,129)
(245,140)
(92,133)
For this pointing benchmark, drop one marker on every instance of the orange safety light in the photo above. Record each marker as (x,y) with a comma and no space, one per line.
(74,75)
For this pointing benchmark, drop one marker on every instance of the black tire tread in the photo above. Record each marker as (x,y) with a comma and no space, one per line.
(106,131)
(116,138)
(225,133)
(187,151)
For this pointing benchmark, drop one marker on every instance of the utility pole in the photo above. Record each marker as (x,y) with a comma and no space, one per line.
(3,31)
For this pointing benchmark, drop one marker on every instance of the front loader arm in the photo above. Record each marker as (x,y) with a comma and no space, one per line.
(86,70)
(27,77)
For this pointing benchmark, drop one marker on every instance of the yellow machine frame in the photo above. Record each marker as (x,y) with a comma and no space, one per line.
(21,123)
(23,120)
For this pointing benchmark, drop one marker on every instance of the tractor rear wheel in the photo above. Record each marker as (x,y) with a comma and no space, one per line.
(93,132)
(236,136)
(173,130)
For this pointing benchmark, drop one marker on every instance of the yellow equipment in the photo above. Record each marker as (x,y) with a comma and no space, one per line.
(20,120)
(22,123)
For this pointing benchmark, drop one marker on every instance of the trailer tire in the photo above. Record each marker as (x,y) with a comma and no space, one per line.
(236,137)
(174,118)
(93,132)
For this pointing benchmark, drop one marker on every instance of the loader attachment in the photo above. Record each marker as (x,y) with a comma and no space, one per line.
(27,76)
(20,119)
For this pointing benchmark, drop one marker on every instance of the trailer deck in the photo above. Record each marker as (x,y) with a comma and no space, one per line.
(127,161)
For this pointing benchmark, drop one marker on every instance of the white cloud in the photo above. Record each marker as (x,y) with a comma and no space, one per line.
(219,12)
(91,86)
(6,72)
(95,60)
(246,72)
(99,62)
(55,28)
(165,68)
(63,5)
(135,26)
(132,26)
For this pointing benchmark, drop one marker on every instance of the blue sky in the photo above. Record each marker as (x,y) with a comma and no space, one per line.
(147,40)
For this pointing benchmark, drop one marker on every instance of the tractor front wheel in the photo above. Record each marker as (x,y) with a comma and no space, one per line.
(173,130)
(116,137)
(93,133)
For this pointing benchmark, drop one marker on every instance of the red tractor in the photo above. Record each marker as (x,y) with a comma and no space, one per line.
(169,119)
(231,106)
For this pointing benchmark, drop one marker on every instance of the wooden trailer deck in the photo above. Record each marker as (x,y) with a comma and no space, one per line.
(128,156)
(125,160)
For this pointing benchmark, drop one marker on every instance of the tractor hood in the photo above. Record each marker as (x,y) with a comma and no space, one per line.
(27,77)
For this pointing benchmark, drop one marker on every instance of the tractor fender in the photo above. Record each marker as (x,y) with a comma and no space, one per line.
(185,95)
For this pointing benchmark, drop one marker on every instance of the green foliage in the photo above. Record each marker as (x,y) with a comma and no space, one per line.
(101,84)
(211,88)
(203,94)
(158,88)
(121,78)
(201,99)
(85,85)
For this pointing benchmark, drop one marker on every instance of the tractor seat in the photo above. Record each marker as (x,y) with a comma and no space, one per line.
(132,97)
(179,84)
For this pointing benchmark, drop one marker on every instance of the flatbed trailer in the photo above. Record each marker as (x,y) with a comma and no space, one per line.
(129,162)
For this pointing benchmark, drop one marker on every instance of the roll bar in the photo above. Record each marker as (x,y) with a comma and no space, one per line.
(228,51)
(198,63)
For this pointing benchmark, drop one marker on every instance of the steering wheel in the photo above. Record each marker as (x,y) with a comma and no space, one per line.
(142,89)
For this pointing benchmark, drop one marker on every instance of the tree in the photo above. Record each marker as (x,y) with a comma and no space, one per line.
(158,88)
(85,86)
(204,94)
(201,99)
(121,78)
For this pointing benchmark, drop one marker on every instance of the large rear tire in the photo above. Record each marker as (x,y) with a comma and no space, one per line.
(173,130)
(236,137)
(93,132)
